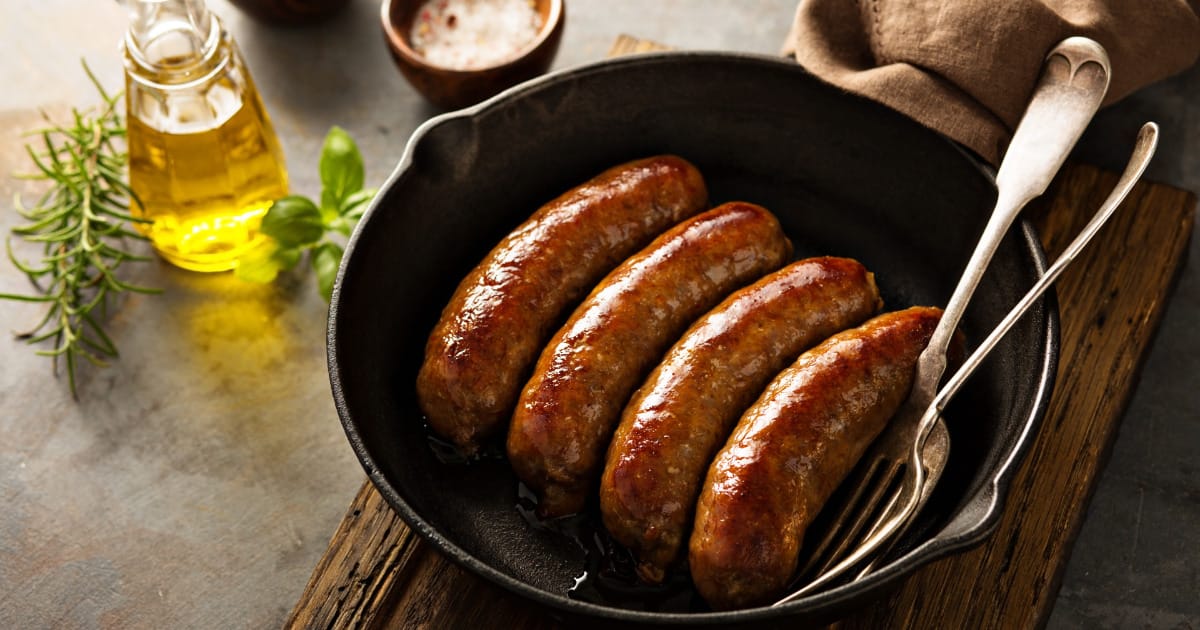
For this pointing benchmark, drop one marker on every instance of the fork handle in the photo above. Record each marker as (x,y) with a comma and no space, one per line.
(1147,142)
(1074,80)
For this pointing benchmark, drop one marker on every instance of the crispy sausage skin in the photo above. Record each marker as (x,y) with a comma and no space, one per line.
(673,426)
(566,414)
(491,331)
(792,448)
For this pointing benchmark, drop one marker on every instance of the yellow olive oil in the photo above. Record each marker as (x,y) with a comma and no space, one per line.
(204,162)
(206,190)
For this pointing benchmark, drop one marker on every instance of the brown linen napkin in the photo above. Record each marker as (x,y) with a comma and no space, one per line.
(968,67)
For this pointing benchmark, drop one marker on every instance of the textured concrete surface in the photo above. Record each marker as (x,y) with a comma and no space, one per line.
(196,482)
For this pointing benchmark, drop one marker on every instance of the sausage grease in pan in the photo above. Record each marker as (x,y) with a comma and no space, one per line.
(609,577)
(447,453)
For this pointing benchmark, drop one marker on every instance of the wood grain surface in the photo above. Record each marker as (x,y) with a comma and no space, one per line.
(628,45)
(378,574)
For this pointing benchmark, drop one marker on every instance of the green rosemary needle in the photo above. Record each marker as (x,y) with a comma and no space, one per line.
(82,222)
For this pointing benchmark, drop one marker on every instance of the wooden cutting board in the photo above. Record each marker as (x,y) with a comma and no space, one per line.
(377,573)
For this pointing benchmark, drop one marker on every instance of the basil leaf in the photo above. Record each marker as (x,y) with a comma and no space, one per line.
(326,258)
(343,225)
(355,204)
(286,258)
(293,221)
(263,263)
(341,168)
(258,264)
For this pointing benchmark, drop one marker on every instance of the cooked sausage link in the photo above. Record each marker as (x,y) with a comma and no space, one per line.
(792,448)
(673,426)
(566,413)
(491,331)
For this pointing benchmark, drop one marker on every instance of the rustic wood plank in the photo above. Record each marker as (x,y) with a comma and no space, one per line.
(438,594)
(356,577)
(628,45)
(378,574)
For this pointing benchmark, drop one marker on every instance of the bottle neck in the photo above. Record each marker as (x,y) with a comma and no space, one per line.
(172,41)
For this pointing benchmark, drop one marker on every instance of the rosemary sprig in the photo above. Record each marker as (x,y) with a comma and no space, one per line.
(82,222)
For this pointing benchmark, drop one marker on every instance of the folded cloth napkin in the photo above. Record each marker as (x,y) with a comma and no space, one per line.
(968,67)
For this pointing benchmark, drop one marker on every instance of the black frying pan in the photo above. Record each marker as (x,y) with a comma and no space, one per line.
(846,177)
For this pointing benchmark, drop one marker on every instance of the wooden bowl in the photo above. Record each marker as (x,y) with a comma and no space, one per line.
(454,88)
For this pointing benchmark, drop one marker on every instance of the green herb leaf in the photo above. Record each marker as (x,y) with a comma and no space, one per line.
(341,168)
(355,204)
(293,221)
(263,263)
(83,224)
(286,258)
(341,225)
(296,224)
(257,270)
(257,264)
(326,258)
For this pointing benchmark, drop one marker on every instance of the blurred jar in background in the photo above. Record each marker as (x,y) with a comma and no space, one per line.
(204,161)
(289,11)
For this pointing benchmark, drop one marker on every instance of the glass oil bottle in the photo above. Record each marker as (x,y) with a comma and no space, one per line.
(204,161)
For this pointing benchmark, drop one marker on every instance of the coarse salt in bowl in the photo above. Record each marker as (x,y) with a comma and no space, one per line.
(459,52)
(473,34)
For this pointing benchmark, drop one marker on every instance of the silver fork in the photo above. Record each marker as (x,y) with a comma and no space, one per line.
(1074,80)
(933,457)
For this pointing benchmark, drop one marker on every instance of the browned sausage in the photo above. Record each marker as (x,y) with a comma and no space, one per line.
(566,413)
(490,333)
(683,413)
(792,448)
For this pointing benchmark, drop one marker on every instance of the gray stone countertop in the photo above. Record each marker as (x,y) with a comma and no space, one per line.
(197,480)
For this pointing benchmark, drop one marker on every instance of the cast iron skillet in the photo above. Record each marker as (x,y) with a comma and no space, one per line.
(845,176)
